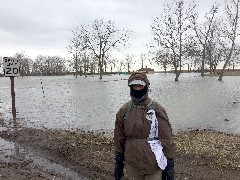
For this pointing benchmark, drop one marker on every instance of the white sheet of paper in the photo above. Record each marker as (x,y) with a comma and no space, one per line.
(156,145)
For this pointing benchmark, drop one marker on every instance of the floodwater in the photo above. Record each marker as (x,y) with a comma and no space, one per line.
(87,103)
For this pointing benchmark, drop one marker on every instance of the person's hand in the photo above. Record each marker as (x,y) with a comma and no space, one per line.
(119,165)
(168,172)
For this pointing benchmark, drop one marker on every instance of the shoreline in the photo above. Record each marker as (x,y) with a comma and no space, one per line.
(209,154)
(227,72)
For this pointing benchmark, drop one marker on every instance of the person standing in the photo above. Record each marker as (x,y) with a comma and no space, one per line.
(143,139)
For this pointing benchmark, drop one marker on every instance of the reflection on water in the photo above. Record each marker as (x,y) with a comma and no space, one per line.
(91,104)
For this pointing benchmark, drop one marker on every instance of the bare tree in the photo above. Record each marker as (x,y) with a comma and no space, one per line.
(212,55)
(113,63)
(121,64)
(88,61)
(75,47)
(203,32)
(129,61)
(163,58)
(100,38)
(26,63)
(38,65)
(172,29)
(230,31)
(93,61)
(57,66)
(49,65)
(143,58)
(106,62)
(235,59)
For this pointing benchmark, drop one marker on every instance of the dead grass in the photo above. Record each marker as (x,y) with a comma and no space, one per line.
(92,155)
(223,149)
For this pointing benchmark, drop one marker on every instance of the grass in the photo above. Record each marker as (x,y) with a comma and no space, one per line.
(222,149)
(219,149)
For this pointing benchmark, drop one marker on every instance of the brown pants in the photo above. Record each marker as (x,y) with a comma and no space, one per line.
(132,174)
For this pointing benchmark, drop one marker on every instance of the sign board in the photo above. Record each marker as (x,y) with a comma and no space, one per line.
(11,66)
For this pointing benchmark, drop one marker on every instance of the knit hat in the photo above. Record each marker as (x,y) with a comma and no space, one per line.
(138,78)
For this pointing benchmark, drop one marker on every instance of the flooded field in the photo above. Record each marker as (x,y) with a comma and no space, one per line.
(87,103)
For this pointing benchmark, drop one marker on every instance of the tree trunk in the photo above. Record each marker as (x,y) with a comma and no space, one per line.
(91,68)
(176,72)
(76,66)
(214,69)
(81,71)
(177,75)
(85,71)
(105,67)
(100,60)
(203,60)
(100,67)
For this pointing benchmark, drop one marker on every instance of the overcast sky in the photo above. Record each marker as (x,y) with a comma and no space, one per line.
(44,26)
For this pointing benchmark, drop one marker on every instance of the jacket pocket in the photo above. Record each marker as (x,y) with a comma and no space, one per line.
(139,155)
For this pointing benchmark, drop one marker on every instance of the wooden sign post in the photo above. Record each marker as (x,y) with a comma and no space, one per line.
(13,97)
(12,69)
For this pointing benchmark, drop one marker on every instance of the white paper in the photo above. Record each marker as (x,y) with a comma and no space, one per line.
(156,145)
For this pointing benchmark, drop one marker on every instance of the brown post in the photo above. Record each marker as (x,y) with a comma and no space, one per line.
(13,98)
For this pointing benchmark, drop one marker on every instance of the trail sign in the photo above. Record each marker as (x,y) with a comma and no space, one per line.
(11,66)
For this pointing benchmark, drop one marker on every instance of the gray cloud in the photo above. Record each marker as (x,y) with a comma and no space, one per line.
(43,26)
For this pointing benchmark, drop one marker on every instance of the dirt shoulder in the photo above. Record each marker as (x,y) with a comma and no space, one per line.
(199,155)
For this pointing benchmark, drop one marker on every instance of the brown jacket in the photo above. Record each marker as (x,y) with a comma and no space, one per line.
(130,137)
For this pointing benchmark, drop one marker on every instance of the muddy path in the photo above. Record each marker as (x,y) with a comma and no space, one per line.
(28,153)
(26,161)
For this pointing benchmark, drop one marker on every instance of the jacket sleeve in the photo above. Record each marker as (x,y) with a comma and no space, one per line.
(165,132)
(119,138)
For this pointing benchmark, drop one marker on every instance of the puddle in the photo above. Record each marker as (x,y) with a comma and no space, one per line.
(3,129)
(48,166)
(8,150)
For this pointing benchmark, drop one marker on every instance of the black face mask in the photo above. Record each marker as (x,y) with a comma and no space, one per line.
(138,94)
